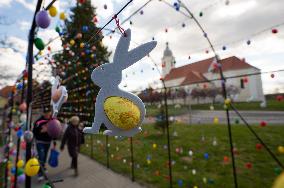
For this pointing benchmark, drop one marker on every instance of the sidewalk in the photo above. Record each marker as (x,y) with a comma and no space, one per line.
(91,174)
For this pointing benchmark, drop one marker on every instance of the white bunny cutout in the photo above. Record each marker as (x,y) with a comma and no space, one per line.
(59,96)
(108,77)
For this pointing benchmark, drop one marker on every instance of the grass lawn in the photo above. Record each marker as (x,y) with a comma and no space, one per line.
(272,105)
(151,163)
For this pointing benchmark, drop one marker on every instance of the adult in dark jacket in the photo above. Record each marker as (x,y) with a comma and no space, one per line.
(73,137)
(42,139)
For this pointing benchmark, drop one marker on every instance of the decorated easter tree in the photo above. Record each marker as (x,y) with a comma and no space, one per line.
(82,52)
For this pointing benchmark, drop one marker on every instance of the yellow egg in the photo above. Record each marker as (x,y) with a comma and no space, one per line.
(82,45)
(154,146)
(52,11)
(10,165)
(62,16)
(216,120)
(20,163)
(32,167)
(72,42)
(228,101)
(279,182)
(281,149)
(122,112)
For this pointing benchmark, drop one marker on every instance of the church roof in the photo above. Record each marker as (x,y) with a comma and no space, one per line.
(194,72)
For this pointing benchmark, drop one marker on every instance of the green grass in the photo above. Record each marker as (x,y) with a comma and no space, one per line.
(214,170)
(272,105)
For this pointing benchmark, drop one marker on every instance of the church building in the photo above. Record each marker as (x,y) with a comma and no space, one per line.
(200,75)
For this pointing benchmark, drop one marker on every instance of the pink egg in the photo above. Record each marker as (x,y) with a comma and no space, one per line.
(54,128)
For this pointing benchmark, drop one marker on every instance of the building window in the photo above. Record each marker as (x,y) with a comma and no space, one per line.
(242,84)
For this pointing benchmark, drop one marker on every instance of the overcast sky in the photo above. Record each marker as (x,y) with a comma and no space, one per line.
(229,25)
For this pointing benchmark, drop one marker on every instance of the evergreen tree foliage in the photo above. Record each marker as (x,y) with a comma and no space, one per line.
(82,52)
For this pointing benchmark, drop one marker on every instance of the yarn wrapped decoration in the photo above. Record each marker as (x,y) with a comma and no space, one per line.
(122,112)
(42,19)
(39,43)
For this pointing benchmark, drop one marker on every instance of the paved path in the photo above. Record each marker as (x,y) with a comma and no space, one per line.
(91,174)
(207,116)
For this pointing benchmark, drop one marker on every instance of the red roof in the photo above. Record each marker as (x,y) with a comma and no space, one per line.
(193,77)
(194,72)
(4,92)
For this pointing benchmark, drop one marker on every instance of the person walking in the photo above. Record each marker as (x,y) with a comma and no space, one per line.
(72,137)
(42,139)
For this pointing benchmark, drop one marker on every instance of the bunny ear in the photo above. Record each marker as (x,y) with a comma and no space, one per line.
(138,53)
(122,47)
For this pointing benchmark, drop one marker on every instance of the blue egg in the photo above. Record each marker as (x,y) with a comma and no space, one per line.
(19,133)
(13,170)
(19,86)
(206,156)
(85,28)
(180,183)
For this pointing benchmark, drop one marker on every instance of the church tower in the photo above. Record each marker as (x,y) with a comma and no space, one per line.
(168,61)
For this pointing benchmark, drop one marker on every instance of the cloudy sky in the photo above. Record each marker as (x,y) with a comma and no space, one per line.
(228,24)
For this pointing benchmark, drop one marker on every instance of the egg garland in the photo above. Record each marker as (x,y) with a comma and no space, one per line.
(42,19)
(121,112)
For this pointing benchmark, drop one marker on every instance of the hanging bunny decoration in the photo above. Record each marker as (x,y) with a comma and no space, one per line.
(120,111)
(59,96)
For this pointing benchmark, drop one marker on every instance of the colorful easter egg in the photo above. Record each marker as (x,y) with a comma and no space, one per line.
(52,11)
(279,182)
(20,163)
(42,19)
(122,112)
(32,167)
(54,128)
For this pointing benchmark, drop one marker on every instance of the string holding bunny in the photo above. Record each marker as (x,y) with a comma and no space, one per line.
(59,96)
(120,111)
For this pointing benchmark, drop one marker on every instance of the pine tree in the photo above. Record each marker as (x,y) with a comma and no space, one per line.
(82,52)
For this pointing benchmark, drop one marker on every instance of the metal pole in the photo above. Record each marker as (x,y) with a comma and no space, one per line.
(132,159)
(30,59)
(168,135)
(107,152)
(223,79)
(10,118)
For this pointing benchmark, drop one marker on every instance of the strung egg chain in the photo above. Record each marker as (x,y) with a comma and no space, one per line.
(218,79)
(100,29)
(94,35)
(255,34)
(257,136)
(65,108)
(49,87)
(235,42)
(74,113)
(133,14)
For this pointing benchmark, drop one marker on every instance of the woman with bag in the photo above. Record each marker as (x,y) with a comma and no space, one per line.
(73,137)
